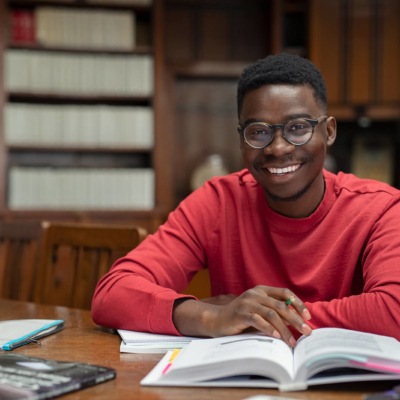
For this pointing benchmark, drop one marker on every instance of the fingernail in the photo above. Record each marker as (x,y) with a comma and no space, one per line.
(306,314)
(306,329)
(276,334)
(292,342)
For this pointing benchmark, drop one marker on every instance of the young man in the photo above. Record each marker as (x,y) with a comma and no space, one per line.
(289,246)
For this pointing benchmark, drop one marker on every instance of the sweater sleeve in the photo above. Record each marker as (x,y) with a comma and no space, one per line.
(139,291)
(377,308)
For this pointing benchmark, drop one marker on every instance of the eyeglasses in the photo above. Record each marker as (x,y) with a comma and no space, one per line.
(298,131)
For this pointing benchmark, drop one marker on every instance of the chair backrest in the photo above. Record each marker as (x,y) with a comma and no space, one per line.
(200,285)
(74,256)
(19,247)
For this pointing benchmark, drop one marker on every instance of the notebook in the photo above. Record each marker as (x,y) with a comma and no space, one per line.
(18,332)
(143,342)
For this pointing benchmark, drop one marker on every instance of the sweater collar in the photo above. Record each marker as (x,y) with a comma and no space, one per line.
(287,224)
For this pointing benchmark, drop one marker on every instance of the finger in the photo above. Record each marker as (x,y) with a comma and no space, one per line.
(294,302)
(287,296)
(268,321)
(289,315)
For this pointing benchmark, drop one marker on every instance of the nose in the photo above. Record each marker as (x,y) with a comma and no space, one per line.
(279,145)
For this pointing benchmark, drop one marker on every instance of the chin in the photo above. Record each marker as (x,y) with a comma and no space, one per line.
(287,197)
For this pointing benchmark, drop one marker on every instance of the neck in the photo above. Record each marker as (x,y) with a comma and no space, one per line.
(302,204)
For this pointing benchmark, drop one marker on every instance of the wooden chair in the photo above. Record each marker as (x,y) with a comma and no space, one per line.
(200,285)
(74,256)
(19,247)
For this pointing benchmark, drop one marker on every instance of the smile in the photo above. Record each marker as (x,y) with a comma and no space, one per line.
(280,171)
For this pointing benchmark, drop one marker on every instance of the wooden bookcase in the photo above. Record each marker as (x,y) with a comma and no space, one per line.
(356,44)
(89,157)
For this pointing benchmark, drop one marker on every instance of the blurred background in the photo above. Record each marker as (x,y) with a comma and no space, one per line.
(110,108)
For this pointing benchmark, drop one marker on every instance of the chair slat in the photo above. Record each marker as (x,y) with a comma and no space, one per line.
(74,256)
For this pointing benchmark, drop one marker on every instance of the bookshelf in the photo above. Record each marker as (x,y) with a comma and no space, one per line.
(79,103)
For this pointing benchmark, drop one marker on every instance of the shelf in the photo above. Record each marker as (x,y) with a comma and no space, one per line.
(79,157)
(77,149)
(80,4)
(138,50)
(49,98)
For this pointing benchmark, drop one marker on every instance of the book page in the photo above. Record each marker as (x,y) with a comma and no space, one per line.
(231,356)
(328,348)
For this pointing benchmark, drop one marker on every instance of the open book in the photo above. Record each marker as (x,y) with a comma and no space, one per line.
(328,355)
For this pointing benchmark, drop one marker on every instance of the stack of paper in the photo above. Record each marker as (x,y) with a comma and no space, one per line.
(141,342)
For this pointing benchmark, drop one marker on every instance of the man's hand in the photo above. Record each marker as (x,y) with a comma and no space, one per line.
(266,309)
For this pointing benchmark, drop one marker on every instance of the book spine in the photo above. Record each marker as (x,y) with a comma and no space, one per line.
(22,27)
(72,125)
(58,73)
(75,188)
(78,28)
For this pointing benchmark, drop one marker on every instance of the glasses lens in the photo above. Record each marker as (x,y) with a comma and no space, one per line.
(258,135)
(298,131)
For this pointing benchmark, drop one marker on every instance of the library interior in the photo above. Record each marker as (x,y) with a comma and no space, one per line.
(137,95)
(113,111)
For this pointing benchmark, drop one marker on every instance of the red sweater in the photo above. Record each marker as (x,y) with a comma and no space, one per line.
(343,260)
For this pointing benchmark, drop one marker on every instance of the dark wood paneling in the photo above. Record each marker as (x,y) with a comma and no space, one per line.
(389,52)
(327,30)
(356,44)
(217,31)
(205,123)
(361,60)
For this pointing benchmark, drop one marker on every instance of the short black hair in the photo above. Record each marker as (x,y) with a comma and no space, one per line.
(282,69)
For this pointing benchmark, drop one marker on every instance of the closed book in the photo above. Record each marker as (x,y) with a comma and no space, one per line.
(22,27)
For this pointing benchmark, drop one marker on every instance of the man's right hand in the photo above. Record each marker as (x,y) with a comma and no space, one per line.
(262,308)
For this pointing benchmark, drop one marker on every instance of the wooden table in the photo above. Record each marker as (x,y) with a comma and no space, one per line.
(81,340)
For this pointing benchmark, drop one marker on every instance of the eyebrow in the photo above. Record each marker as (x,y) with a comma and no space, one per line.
(288,118)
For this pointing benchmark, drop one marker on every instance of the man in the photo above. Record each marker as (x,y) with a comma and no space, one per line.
(289,246)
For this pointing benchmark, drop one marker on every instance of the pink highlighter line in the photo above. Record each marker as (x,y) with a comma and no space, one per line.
(167,367)
(171,360)
(381,367)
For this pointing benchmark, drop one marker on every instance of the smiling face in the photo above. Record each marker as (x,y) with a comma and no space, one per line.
(291,176)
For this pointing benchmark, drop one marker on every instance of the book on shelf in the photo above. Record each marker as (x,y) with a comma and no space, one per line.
(328,355)
(79,125)
(89,29)
(22,30)
(81,188)
(19,332)
(56,72)
(24,377)
(144,342)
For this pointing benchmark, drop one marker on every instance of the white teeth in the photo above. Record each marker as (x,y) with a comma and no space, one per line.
(292,168)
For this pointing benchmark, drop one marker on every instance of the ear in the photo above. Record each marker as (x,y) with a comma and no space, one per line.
(331,130)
